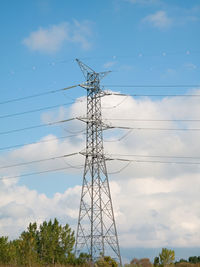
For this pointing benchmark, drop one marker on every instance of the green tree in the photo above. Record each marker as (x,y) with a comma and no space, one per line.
(167,256)
(4,250)
(194,259)
(27,246)
(106,261)
(14,252)
(156,261)
(55,242)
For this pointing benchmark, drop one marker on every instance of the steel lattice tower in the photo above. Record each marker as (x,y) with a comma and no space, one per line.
(96,231)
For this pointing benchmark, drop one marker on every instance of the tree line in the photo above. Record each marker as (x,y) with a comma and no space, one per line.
(164,259)
(51,244)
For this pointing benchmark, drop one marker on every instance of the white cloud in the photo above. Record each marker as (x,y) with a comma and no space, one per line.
(155,204)
(156,213)
(51,39)
(109,64)
(158,20)
(19,206)
(190,66)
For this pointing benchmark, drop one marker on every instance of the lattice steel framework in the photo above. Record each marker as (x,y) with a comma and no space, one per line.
(96,231)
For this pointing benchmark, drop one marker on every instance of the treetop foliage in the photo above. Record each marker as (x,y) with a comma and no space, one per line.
(50,243)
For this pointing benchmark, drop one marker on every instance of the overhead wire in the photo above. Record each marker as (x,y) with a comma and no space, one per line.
(73,132)
(120,138)
(36,126)
(153,85)
(126,119)
(70,87)
(35,110)
(154,95)
(78,167)
(37,95)
(117,105)
(153,156)
(37,161)
(153,129)
(39,142)
(34,173)
(120,170)
(153,161)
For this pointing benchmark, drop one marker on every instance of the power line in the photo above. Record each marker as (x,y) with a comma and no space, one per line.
(36,126)
(120,170)
(34,110)
(120,138)
(72,166)
(35,173)
(39,142)
(154,129)
(153,85)
(126,119)
(117,105)
(153,161)
(37,161)
(153,95)
(154,156)
(37,95)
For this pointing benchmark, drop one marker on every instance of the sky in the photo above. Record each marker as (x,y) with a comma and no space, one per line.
(152,49)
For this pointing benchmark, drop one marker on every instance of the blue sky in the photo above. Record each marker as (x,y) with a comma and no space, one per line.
(143,42)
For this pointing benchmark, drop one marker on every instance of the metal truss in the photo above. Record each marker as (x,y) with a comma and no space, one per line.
(96,230)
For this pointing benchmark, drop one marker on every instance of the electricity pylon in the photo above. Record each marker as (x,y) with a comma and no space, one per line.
(96,231)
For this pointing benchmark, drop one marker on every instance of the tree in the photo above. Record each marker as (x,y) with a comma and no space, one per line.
(134,261)
(50,244)
(167,256)
(4,249)
(106,261)
(156,261)
(182,260)
(27,246)
(144,262)
(14,252)
(194,259)
(55,242)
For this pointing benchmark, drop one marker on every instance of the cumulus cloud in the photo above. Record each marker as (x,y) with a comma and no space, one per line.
(19,206)
(156,204)
(51,39)
(158,20)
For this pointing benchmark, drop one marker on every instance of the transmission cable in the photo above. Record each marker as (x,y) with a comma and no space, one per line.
(153,156)
(36,126)
(152,95)
(120,138)
(152,161)
(117,105)
(168,120)
(38,95)
(34,110)
(37,161)
(39,142)
(78,167)
(153,129)
(120,170)
(34,173)
(153,85)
